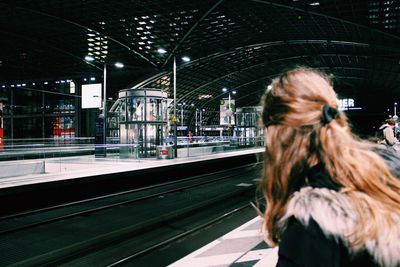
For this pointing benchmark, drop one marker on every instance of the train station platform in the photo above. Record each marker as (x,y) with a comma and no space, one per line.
(243,246)
(77,167)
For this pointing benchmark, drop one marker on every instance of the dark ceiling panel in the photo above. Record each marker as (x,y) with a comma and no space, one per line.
(239,44)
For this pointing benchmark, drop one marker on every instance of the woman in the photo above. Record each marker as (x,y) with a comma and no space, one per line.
(332,199)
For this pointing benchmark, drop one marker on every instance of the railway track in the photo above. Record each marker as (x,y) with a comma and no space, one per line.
(77,231)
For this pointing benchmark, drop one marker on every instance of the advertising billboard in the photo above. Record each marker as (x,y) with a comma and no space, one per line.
(227,110)
(91,95)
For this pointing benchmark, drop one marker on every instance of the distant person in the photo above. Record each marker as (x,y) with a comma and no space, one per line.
(387,134)
(332,199)
(190,137)
(170,140)
(379,135)
(382,128)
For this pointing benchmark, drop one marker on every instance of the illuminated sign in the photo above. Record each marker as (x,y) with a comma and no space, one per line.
(91,95)
(347,104)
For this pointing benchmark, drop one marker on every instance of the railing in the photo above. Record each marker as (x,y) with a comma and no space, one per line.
(35,156)
(202,146)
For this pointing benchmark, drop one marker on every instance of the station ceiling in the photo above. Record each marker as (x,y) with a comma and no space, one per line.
(237,44)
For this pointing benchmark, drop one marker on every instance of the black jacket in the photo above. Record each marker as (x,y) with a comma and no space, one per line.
(317,222)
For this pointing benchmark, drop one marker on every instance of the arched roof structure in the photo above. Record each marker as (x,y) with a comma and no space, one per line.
(238,44)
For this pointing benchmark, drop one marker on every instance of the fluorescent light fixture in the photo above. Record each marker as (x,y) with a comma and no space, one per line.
(89,58)
(92,78)
(234,92)
(205,96)
(224,89)
(119,65)
(186,58)
(161,50)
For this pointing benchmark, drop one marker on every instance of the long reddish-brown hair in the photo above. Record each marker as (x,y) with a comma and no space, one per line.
(297,139)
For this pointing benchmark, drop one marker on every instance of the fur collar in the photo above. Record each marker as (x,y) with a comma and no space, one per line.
(336,216)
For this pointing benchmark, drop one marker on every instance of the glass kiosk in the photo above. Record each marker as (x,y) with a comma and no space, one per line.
(139,119)
(248,132)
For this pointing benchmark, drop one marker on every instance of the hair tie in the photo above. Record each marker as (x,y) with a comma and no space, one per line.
(328,114)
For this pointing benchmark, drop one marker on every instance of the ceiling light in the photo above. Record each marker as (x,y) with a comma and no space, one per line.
(161,50)
(89,58)
(119,65)
(186,58)
(205,96)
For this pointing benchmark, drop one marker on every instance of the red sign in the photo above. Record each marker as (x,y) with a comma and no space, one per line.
(1,138)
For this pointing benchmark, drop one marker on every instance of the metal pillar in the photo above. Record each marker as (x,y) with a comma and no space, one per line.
(175,132)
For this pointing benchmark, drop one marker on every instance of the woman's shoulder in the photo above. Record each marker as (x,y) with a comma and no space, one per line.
(336,216)
(307,245)
(333,211)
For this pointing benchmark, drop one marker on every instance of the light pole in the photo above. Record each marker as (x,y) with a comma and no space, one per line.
(175,132)
(395,105)
(201,120)
(104,111)
(104,108)
(185,59)
(196,126)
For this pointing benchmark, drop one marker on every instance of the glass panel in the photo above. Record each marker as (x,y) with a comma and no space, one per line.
(135,110)
(151,109)
(27,128)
